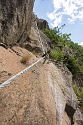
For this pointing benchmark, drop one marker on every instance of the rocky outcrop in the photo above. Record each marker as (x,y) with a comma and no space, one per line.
(41,96)
(15,20)
(42,24)
(37,40)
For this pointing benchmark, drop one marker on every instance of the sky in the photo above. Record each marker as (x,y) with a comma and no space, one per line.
(59,12)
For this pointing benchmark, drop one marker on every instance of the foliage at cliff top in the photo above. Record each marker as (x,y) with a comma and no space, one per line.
(63,49)
(70,53)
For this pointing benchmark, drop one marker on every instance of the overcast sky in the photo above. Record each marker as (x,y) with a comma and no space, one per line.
(59,12)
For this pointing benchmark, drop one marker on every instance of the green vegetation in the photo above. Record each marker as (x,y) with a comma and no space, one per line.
(57,55)
(79,93)
(65,50)
(70,53)
(72,65)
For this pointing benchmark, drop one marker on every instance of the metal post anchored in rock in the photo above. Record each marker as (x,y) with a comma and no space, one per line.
(46,55)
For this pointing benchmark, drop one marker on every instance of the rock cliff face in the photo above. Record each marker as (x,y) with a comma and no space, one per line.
(42,24)
(43,95)
(37,38)
(15,20)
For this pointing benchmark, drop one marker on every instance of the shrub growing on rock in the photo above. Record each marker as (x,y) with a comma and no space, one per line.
(25,59)
(57,55)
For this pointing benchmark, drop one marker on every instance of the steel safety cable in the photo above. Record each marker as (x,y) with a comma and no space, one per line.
(18,74)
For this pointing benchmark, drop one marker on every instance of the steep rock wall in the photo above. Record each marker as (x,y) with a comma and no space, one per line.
(15,20)
(41,23)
